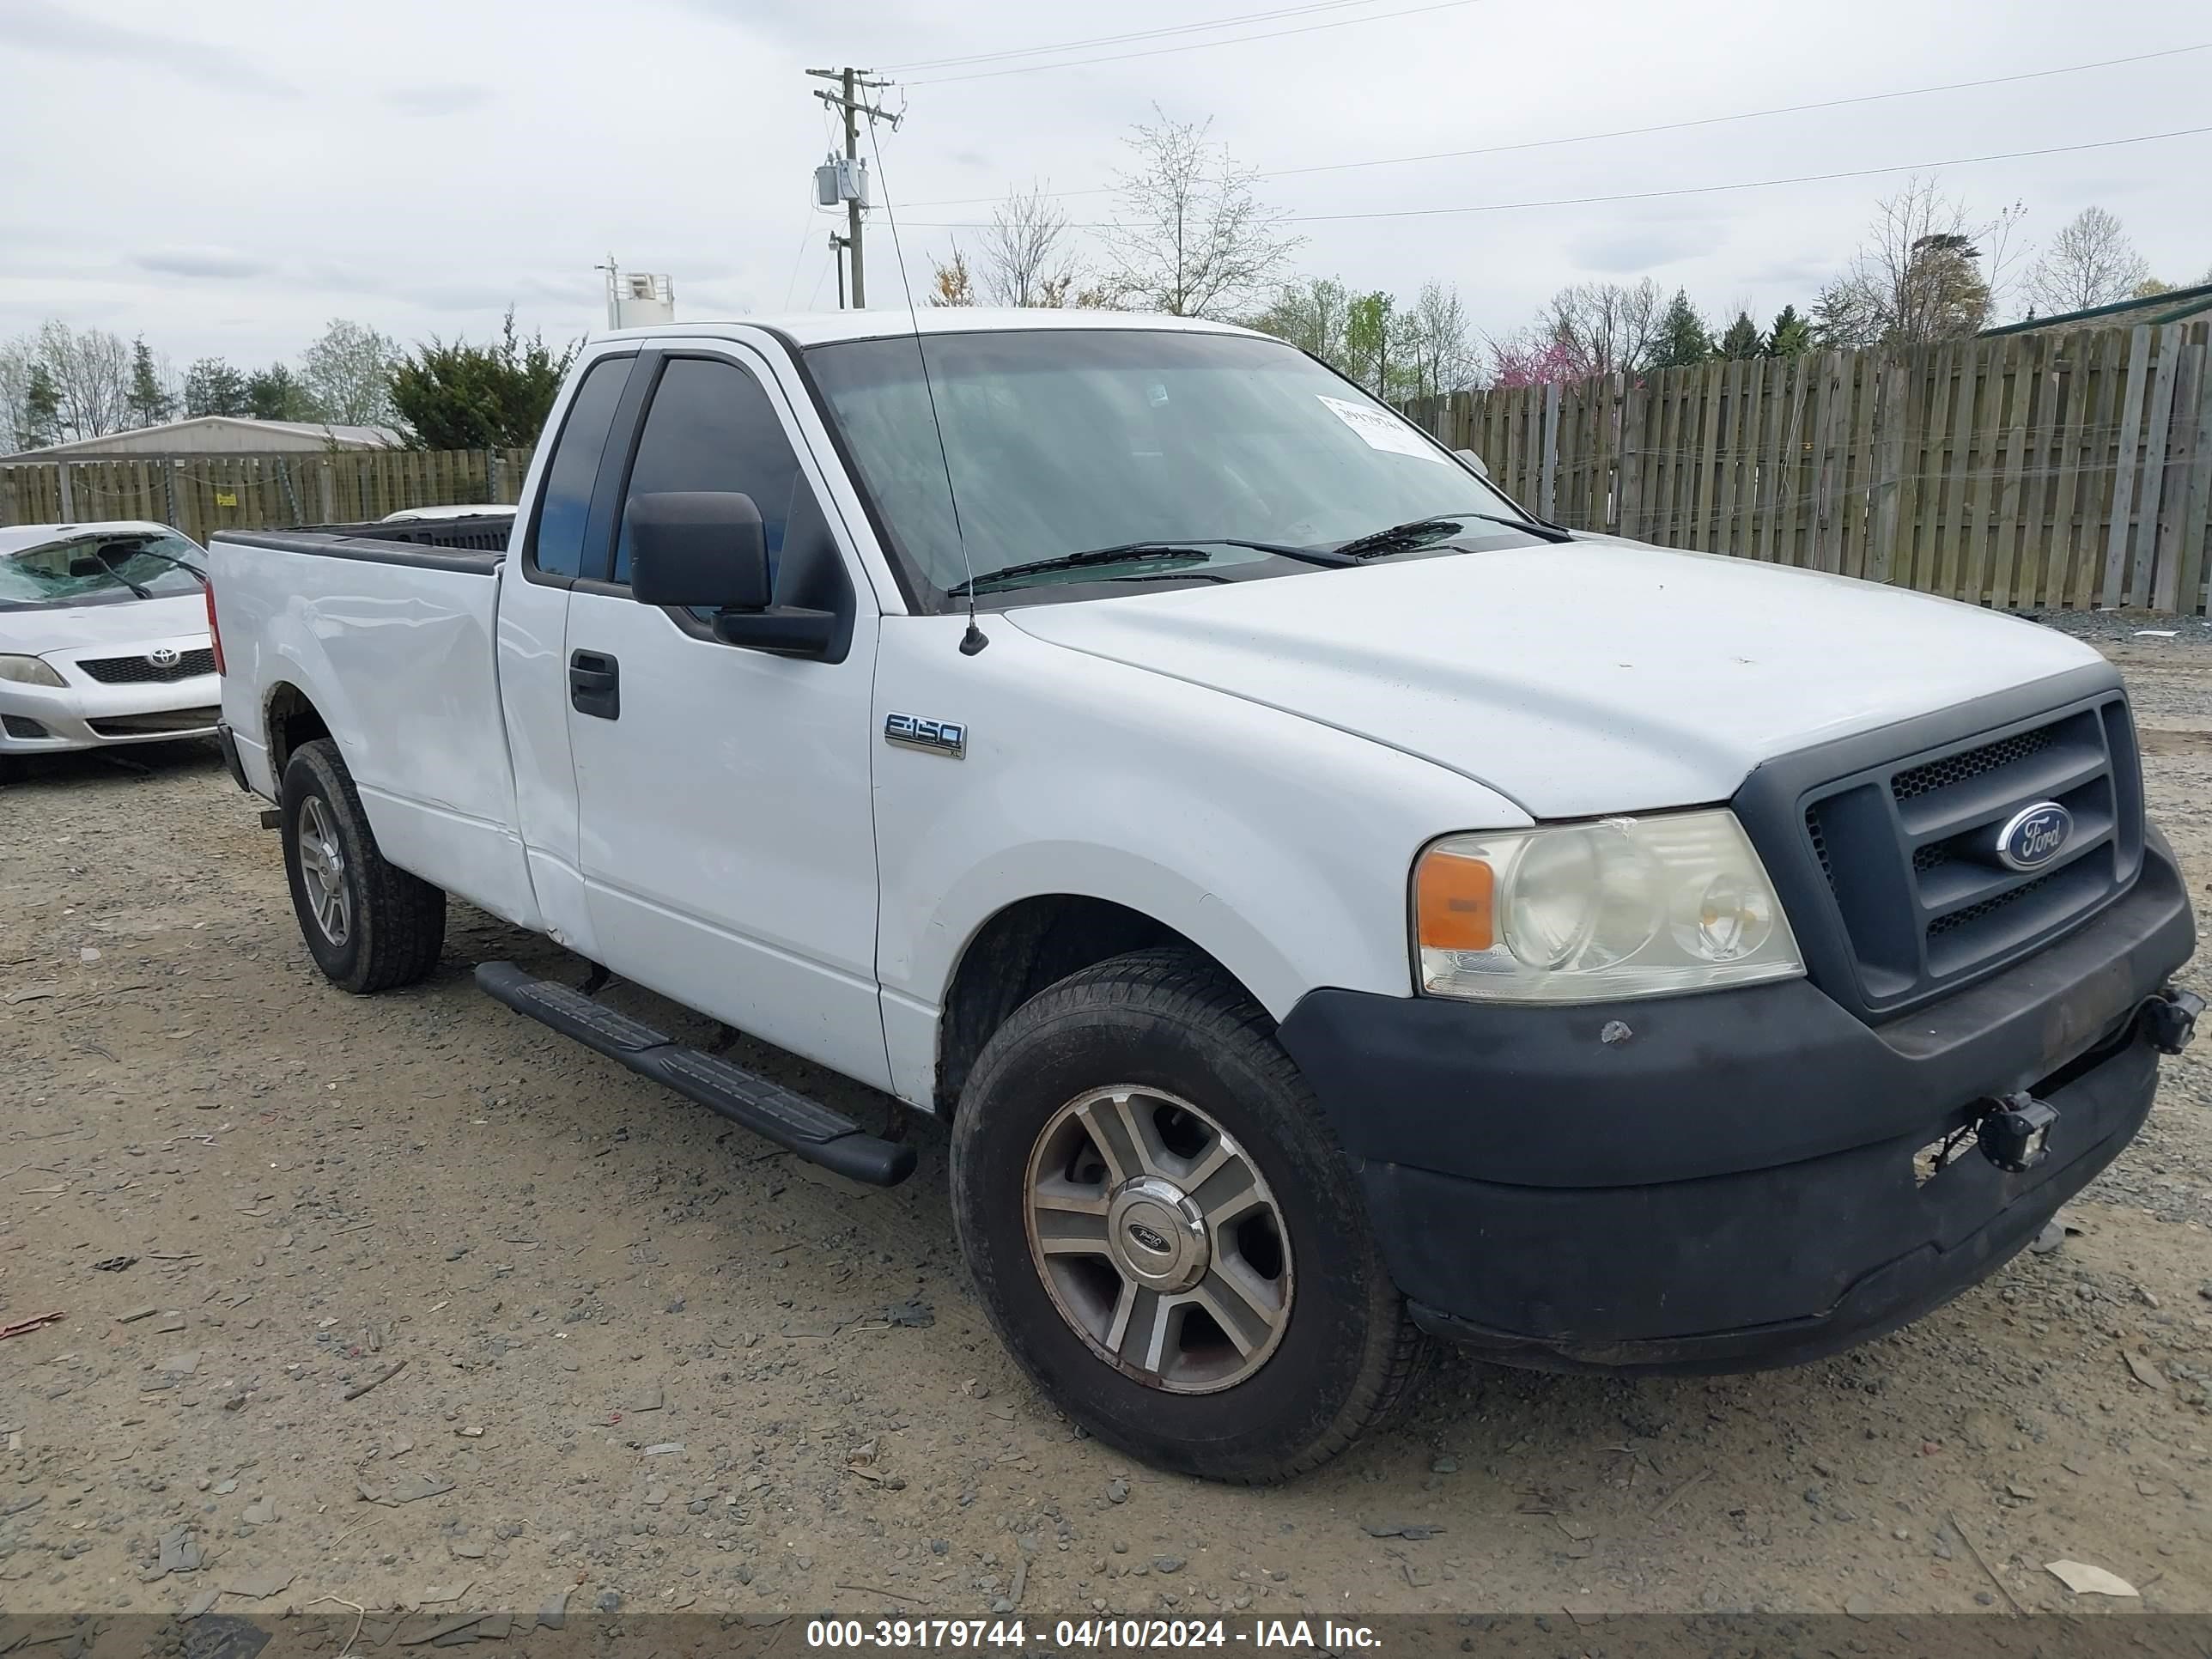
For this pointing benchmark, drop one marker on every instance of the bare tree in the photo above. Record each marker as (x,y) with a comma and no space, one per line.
(1193,239)
(1607,328)
(1025,258)
(1438,354)
(2091,261)
(90,373)
(18,428)
(348,374)
(1919,276)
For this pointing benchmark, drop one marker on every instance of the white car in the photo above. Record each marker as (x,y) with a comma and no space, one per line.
(459,510)
(103,637)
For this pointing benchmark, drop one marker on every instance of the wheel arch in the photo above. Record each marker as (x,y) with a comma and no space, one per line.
(1026,945)
(289,719)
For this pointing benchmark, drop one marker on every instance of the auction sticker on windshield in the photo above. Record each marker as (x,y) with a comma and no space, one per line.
(1383,431)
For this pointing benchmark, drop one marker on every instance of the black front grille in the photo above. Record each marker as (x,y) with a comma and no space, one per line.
(143,671)
(1920,781)
(158,722)
(1908,850)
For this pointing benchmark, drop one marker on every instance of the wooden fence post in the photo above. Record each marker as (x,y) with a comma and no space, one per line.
(2152,557)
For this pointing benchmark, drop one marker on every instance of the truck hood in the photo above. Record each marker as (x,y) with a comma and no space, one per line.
(39,630)
(1596,677)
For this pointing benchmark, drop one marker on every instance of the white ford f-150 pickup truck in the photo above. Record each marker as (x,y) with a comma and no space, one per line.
(1329,904)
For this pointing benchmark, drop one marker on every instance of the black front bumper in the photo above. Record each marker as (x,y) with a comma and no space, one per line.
(1729,1183)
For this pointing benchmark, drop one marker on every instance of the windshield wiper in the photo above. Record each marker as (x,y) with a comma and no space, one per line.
(1165,552)
(1418,533)
(100,559)
(184,565)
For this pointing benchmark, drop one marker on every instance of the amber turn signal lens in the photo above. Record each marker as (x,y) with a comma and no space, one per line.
(1454,904)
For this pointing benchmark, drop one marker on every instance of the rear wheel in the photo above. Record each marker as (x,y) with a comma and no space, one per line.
(368,925)
(1163,1230)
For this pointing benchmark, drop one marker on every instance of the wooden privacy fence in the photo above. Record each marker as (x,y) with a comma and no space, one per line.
(2028,470)
(202,494)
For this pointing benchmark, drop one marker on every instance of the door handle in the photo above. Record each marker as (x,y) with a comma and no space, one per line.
(595,684)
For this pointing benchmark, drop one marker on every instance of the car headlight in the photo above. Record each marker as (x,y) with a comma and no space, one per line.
(1587,912)
(29,671)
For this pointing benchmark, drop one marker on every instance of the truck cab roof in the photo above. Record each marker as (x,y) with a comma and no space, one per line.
(808,328)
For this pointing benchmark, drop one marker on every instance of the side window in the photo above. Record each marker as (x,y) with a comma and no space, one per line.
(564,500)
(712,426)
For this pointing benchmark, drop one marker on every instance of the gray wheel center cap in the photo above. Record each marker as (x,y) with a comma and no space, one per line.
(1156,1235)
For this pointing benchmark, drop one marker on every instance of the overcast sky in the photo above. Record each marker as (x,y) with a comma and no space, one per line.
(226,177)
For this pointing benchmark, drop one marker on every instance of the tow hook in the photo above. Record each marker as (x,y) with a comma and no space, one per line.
(2170,1019)
(2014,1131)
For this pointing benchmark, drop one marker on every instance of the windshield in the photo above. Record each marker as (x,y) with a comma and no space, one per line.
(1060,440)
(99,567)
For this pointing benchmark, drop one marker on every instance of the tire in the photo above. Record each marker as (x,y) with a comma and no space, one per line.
(369,926)
(1185,1045)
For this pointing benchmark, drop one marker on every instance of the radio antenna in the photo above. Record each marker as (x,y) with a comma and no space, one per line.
(975,639)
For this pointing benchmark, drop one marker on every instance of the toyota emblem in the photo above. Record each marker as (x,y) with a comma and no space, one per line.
(163,656)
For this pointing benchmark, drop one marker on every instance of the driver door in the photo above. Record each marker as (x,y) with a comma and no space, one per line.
(725,829)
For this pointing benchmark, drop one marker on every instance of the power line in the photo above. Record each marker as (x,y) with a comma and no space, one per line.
(1638,132)
(1654,195)
(1117,39)
(1194,46)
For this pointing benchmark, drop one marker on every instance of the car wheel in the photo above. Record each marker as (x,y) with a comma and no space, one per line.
(1165,1231)
(368,925)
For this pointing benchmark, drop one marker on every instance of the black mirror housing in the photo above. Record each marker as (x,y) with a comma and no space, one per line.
(786,631)
(698,549)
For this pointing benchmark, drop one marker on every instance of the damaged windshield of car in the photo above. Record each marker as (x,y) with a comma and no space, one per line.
(100,570)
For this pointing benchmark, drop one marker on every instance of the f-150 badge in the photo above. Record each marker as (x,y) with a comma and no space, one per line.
(946,738)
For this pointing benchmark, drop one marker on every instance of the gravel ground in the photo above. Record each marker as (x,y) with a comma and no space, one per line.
(643,1361)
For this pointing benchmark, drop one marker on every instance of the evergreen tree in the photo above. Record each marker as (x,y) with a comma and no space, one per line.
(466,397)
(275,393)
(1743,339)
(42,410)
(148,404)
(212,386)
(1683,338)
(1791,335)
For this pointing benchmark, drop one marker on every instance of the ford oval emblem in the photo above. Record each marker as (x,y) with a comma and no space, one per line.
(2032,837)
(1150,1239)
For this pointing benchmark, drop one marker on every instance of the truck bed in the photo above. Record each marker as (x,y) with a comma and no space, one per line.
(474,545)
(390,633)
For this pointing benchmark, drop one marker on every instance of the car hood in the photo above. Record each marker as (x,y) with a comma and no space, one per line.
(39,632)
(1596,677)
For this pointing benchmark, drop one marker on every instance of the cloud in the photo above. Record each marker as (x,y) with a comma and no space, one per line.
(200,262)
(46,27)
(1637,248)
(453,100)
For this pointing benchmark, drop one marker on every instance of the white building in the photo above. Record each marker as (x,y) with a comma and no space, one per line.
(218,435)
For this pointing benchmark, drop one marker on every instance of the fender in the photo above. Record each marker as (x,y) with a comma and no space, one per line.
(1281,846)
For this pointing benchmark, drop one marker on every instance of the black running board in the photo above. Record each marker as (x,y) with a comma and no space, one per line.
(810,1129)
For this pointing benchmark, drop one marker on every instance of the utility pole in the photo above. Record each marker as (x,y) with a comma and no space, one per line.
(852,83)
(837,246)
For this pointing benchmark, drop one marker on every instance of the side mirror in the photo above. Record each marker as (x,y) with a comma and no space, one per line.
(1473,460)
(702,549)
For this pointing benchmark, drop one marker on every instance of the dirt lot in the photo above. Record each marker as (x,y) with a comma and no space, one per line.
(644,1357)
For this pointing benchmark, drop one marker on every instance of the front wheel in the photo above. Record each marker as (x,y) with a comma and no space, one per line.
(369,925)
(1163,1230)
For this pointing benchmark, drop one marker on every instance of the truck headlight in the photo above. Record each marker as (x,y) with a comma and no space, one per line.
(1587,912)
(29,671)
